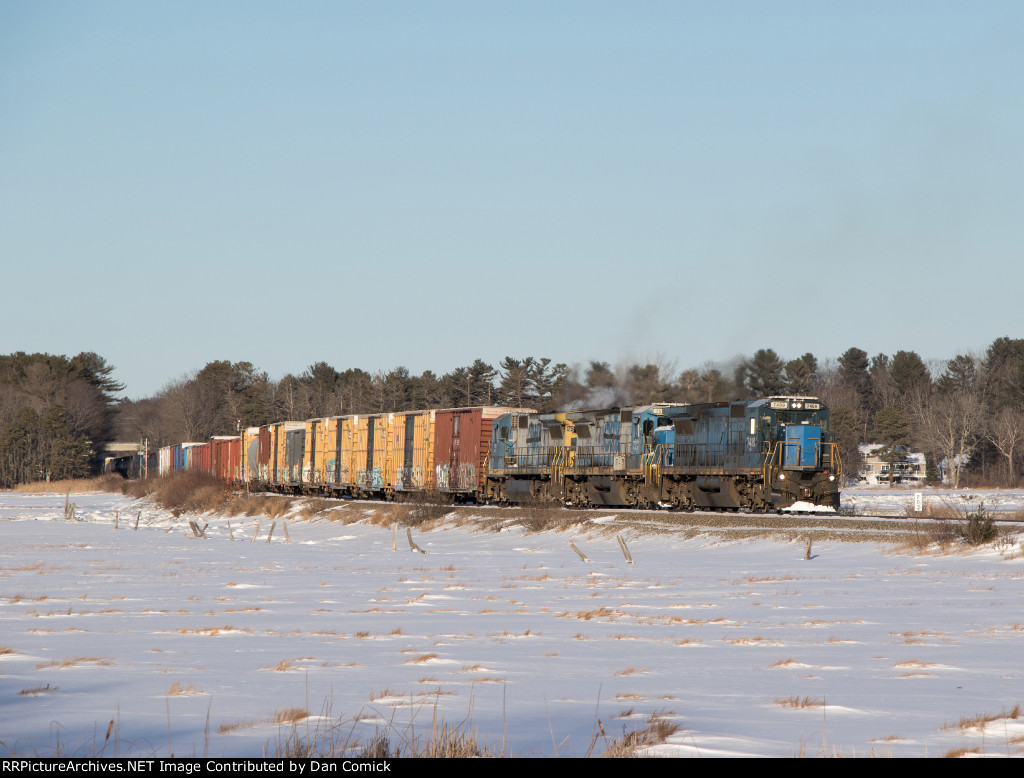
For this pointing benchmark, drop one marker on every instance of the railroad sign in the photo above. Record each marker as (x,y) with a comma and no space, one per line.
(918,502)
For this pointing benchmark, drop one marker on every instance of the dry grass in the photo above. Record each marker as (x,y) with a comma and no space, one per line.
(537,515)
(271,506)
(75,661)
(426,507)
(178,689)
(418,508)
(956,753)
(657,729)
(289,715)
(914,664)
(602,612)
(36,691)
(315,506)
(109,482)
(799,702)
(5,650)
(187,491)
(281,667)
(210,631)
(421,659)
(980,720)
(231,726)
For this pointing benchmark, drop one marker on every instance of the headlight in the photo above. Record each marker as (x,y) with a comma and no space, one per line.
(831,478)
(782,476)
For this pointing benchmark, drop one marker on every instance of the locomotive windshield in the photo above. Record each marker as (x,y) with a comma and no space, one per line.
(788,418)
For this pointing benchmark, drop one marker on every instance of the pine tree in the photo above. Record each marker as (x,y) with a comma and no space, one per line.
(909,373)
(892,427)
(853,371)
(763,374)
(802,375)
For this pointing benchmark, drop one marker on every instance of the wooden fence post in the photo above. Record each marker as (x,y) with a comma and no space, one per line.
(625,550)
(412,545)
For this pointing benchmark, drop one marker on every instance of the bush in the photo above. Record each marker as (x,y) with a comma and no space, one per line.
(425,506)
(538,515)
(979,527)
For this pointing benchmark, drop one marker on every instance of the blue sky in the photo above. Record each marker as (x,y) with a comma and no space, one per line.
(378,184)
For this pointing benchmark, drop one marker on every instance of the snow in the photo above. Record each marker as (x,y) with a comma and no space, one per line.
(194,646)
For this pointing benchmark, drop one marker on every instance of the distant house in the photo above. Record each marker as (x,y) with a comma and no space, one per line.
(906,467)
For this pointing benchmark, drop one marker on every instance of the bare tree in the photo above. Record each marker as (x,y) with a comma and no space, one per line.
(1006,432)
(951,424)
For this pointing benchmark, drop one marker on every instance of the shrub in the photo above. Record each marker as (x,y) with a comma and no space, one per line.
(427,506)
(979,527)
(539,515)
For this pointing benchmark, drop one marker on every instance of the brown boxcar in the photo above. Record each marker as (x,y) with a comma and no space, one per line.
(462,445)
(225,457)
(199,457)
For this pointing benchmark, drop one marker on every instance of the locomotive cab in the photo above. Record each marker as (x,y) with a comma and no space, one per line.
(801,464)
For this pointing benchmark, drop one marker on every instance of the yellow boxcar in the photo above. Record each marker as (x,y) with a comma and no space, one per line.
(331,456)
(285,455)
(359,432)
(347,427)
(411,437)
(369,453)
(250,455)
(316,451)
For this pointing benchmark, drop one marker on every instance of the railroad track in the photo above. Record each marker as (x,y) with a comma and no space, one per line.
(868,527)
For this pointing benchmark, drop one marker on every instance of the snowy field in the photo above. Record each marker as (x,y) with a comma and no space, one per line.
(204,646)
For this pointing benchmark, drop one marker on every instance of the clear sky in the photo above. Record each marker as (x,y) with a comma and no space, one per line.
(376,184)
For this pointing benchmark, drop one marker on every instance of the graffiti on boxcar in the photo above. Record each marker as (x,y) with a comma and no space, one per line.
(409,478)
(462,479)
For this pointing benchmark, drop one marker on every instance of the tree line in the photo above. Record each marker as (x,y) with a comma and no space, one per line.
(56,412)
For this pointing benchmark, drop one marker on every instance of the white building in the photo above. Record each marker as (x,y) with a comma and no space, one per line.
(908,467)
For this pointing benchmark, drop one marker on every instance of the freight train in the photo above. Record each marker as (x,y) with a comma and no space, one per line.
(767,455)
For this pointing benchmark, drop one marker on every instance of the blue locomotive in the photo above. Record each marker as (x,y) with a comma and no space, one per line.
(770,454)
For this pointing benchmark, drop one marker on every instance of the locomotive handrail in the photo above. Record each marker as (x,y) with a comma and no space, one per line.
(556,465)
(652,459)
(769,464)
(835,462)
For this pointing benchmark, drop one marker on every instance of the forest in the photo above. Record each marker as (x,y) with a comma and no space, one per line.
(57,412)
